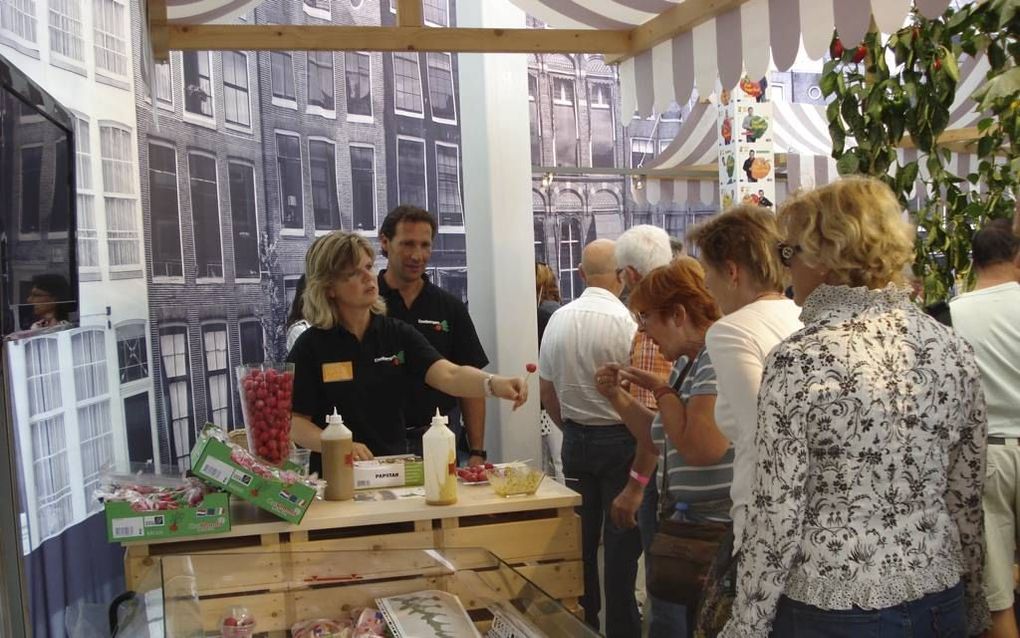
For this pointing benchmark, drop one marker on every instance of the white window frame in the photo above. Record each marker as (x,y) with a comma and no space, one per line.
(284,102)
(236,126)
(55,18)
(336,183)
(219,215)
(648,155)
(207,121)
(357,117)
(425,163)
(124,35)
(143,381)
(318,13)
(163,104)
(374,231)
(448,228)
(286,231)
(240,341)
(421,86)
(7,18)
(453,90)
(170,330)
(258,227)
(573,104)
(315,109)
(206,327)
(433,23)
(131,196)
(156,277)
(576,254)
(91,504)
(600,106)
(86,192)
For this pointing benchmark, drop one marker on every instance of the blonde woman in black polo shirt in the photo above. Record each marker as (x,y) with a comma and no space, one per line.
(360,361)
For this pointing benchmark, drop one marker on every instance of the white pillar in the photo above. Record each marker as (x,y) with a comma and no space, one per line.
(496,152)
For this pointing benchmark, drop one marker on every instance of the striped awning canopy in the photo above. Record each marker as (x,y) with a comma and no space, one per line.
(744,38)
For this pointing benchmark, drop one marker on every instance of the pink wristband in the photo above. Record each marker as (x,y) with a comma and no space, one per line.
(643,480)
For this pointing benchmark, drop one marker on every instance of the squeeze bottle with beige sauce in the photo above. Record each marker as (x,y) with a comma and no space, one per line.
(440,457)
(338,459)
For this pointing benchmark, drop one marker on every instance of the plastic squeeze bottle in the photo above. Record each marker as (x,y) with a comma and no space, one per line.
(338,459)
(440,459)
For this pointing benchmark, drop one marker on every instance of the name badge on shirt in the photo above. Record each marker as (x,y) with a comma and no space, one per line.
(337,371)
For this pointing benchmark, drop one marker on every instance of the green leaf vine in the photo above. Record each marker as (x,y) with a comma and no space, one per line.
(905,84)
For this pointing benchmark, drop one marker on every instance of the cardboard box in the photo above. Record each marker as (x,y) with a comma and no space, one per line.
(403,470)
(211,462)
(210,516)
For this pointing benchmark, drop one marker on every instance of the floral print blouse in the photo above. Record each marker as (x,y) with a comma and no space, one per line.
(871,437)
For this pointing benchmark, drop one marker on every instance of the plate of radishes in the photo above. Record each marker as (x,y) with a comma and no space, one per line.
(474,475)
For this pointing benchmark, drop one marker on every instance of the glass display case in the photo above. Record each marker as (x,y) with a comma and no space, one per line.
(189,595)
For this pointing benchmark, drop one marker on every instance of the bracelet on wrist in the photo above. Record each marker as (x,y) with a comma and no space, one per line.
(641,479)
(489,391)
(662,391)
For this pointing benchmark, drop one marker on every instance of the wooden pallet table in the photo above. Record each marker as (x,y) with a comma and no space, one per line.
(539,536)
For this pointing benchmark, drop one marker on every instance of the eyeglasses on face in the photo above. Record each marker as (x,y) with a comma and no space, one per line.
(786,253)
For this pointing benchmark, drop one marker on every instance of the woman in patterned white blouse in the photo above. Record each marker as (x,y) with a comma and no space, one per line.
(865,518)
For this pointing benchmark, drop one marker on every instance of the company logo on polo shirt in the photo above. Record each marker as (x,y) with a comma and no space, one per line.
(395,359)
(438,326)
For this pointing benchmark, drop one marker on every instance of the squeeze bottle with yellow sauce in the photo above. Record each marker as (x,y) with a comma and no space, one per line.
(338,459)
(440,458)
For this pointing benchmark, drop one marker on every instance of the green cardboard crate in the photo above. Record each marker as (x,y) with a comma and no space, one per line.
(210,516)
(211,462)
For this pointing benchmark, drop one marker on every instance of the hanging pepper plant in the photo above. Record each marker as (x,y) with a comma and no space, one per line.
(889,87)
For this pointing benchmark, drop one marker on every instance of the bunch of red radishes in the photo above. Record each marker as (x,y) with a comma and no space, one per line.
(266,396)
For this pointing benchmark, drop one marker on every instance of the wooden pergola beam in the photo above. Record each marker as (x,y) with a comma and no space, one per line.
(409,13)
(672,22)
(960,140)
(244,37)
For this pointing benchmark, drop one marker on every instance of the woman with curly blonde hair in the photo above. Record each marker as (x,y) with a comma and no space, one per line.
(865,517)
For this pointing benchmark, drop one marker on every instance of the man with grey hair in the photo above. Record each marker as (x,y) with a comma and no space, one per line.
(639,251)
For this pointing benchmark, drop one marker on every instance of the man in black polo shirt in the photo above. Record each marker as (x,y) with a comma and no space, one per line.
(406,235)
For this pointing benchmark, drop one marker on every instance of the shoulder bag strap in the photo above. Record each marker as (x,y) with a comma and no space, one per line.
(664,486)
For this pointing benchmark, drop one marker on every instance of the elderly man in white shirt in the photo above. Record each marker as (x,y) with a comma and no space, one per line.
(590,331)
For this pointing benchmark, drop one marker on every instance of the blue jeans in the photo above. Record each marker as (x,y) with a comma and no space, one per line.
(596,464)
(939,615)
(667,620)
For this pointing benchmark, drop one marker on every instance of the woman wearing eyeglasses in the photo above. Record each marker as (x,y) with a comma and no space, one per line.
(675,310)
(865,516)
(358,360)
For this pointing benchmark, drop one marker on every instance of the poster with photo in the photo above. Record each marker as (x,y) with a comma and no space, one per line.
(759,195)
(753,123)
(727,167)
(757,168)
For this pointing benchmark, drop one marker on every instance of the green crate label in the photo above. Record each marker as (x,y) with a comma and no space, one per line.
(218,471)
(154,521)
(287,496)
(242,478)
(209,511)
(128,527)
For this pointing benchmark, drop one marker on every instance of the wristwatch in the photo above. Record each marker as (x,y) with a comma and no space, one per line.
(481,453)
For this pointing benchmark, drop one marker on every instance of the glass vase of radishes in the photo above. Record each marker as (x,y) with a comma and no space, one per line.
(266,395)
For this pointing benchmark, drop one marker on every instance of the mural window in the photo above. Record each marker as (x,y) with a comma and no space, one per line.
(534,115)
(245,223)
(217,373)
(61,196)
(570,257)
(603,128)
(672,114)
(564,122)
(363,186)
(205,216)
(66,29)
(132,352)
(317,9)
(288,154)
(49,444)
(18,18)
(237,108)
(290,289)
(164,84)
(123,238)
(320,80)
(110,19)
(540,255)
(91,390)
(451,210)
(31,185)
(441,86)
(358,72)
(407,83)
(198,95)
(436,12)
(164,212)
(282,75)
(88,236)
(173,346)
(325,205)
(252,342)
(411,187)
(641,150)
